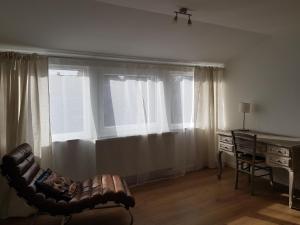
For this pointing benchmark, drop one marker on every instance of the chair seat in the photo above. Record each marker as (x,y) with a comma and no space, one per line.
(248,158)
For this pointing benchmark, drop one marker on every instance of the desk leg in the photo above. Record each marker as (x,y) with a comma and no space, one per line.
(291,188)
(220,164)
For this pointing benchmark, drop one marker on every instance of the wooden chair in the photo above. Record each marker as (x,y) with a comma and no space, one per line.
(247,160)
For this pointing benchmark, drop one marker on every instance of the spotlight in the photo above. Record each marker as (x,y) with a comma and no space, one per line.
(183,11)
(189,21)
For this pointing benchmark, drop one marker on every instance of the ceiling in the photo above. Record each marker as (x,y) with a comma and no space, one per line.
(263,16)
(145,28)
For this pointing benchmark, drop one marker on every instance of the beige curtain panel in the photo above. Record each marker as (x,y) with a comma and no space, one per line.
(24,117)
(209,110)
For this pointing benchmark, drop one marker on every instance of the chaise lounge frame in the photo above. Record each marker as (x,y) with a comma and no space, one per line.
(21,171)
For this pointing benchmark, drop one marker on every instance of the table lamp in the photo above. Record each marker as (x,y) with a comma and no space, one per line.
(244,108)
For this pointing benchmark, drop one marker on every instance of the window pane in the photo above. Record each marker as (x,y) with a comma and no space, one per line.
(188,99)
(181,99)
(66,100)
(176,100)
(150,95)
(129,100)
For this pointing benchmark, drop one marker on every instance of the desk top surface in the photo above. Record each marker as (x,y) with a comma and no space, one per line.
(268,138)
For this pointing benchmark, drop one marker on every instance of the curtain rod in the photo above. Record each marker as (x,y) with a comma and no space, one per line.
(103,56)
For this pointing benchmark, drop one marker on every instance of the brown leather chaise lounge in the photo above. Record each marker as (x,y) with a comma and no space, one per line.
(22,171)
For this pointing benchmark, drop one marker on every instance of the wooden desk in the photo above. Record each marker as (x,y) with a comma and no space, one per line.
(280,151)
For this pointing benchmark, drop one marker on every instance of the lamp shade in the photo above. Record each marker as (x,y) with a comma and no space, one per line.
(244,107)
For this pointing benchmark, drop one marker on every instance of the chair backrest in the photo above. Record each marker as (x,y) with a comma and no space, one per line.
(21,170)
(244,144)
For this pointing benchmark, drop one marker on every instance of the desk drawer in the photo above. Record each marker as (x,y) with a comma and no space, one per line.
(273,160)
(225,139)
(225,147)
(280,151)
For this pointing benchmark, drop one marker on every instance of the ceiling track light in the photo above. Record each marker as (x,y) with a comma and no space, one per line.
(183,11)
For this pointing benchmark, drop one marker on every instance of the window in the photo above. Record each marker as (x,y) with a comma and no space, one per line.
(118,100)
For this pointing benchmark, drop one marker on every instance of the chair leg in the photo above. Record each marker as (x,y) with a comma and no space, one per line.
(236,176)
(249,176)
(34,218)
(131,217)
(65,220)
(271,178)
(252,179)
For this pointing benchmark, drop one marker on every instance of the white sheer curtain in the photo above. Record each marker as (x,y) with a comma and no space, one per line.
(24,117)
(138,120)
(95,101)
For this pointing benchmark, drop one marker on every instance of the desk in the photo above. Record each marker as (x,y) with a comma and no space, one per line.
(280,151)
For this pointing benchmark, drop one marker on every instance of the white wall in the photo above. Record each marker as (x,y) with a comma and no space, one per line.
(268,76)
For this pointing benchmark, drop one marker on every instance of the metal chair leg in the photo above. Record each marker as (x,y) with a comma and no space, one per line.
(66,219)
(236,179)
(252,179)
(34,218)
(249,175)
(131,217)
(271,178)
(116,206)
(236,175)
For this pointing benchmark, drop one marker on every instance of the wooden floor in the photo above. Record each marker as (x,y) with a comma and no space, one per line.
(195,199)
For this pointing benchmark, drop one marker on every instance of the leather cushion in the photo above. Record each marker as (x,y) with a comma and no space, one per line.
(56,186)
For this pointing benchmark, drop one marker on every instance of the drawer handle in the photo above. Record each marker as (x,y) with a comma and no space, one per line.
(280,162)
